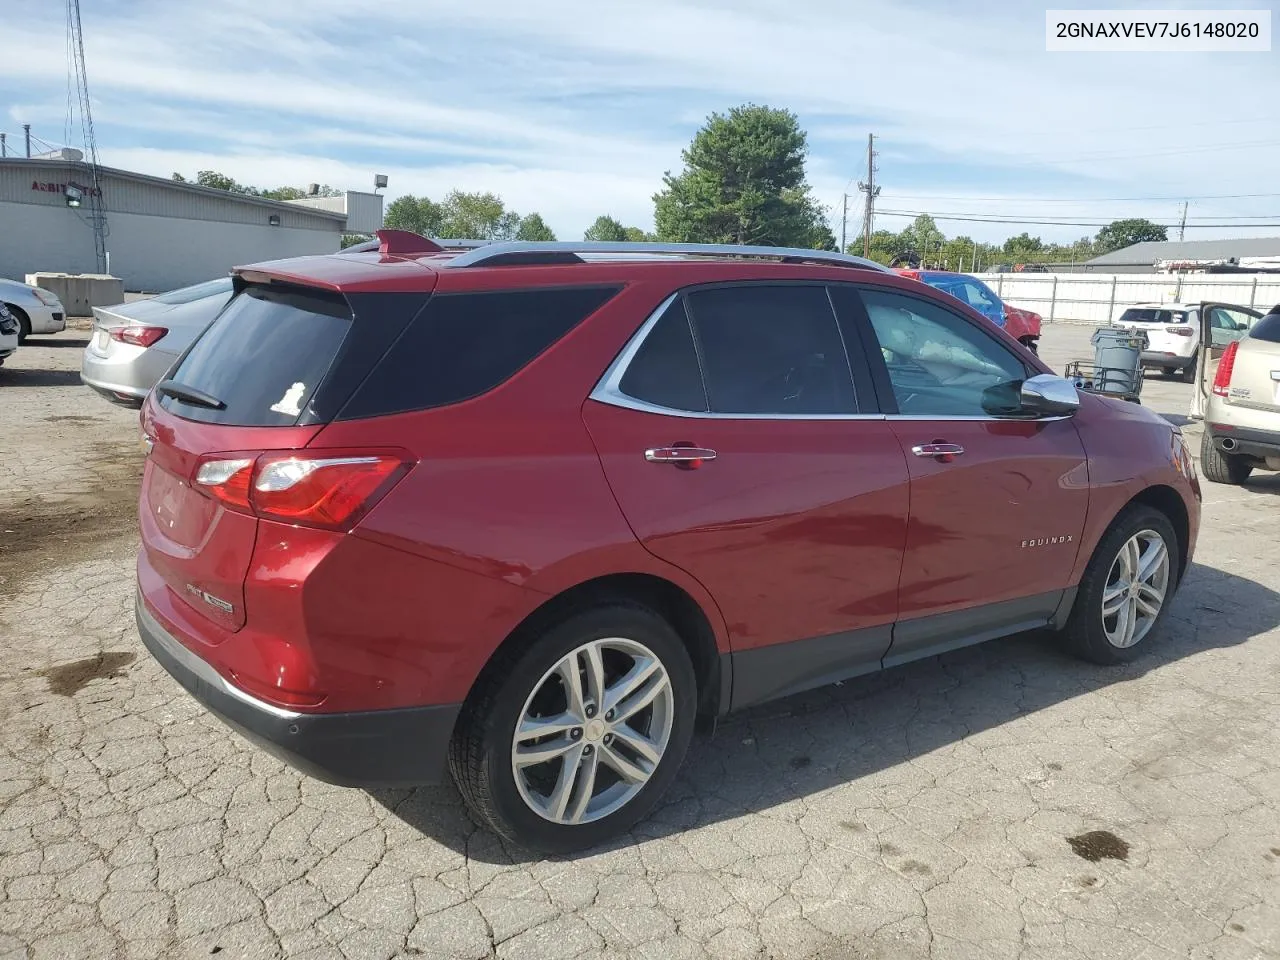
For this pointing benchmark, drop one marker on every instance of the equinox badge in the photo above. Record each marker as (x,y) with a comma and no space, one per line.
(210,599)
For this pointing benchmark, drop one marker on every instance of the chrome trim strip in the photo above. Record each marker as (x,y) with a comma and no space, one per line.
(203,669)
(494,251)
(608,390)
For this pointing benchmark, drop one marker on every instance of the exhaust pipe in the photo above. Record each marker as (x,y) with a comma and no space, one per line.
(1228,443)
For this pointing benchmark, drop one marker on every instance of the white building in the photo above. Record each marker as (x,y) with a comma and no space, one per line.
(160,234)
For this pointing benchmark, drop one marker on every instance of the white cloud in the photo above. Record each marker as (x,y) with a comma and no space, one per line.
(575,108)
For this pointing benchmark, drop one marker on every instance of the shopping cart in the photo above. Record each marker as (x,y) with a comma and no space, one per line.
(1116,368)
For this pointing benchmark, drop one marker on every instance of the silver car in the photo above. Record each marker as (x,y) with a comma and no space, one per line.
(134,344)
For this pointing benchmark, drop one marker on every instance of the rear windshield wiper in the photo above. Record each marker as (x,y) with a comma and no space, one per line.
(197,398)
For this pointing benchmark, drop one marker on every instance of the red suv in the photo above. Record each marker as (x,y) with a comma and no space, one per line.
(530,510)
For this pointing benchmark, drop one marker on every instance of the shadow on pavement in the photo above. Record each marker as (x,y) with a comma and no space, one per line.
(832,736)
(53,343)
(17,377)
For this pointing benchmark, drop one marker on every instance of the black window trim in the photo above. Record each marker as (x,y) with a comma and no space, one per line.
(880,370)
(608,388)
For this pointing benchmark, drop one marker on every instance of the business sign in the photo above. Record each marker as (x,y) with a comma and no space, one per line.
(61,188)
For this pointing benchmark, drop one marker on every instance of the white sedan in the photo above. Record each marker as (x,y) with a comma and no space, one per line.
(37,310)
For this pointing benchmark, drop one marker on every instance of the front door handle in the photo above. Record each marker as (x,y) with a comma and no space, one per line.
(685,456)
(942,452)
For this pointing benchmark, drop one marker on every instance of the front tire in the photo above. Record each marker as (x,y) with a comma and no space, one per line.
(24,323)
(1221,467)
(570,739)
(1126,588)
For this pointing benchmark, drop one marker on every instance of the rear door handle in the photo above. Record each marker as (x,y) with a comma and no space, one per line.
(942,452)
(690,458)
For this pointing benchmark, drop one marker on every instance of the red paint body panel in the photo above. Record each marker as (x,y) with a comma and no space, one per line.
(799,528)
(1015,481)
(811,510)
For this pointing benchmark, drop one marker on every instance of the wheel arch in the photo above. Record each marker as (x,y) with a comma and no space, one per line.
(1169,502)
(669,600)
(23,318)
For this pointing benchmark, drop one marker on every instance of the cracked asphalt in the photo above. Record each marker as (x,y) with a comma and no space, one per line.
(999,802)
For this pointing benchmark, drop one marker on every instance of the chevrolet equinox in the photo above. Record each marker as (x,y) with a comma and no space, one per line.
(530,510)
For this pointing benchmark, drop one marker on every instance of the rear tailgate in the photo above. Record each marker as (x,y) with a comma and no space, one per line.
(1255,376)
(266,376)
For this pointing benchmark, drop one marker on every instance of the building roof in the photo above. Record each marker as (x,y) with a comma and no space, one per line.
(63,167)
(1148,252)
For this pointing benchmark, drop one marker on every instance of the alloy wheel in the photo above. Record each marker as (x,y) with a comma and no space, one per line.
(593,731)
(1136,588)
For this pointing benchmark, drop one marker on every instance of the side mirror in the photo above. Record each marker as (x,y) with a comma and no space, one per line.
(1045,395)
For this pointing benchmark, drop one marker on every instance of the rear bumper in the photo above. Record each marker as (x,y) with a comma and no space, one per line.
(1173,360)
(1243,440)
(402,747)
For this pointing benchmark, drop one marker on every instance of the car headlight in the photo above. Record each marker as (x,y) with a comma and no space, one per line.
(45,297)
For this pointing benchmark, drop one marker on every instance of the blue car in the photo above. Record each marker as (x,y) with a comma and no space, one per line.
(965,289)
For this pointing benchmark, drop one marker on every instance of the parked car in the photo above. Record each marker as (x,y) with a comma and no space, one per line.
(532,509)
(1240,393)
(9,334)
(133,344)
(37,310)
(1022,325)
(1173,332)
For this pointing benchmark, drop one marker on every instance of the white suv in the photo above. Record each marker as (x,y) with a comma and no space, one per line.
(1173,332)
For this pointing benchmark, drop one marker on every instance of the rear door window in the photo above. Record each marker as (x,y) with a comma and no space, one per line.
(1151,315)
(664,371)
(771,349)
(263,358)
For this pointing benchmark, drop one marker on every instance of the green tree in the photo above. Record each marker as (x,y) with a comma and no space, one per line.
(925,238)
(743,182)
(420,215)
(351,239)
(533,227)
(477,216)
(1125,233)
(606,229)
(636,235)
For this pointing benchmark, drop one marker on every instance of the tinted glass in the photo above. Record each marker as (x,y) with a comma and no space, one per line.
(1151,315)
(665,370)
(1268,328)
(464,344)
(771,350)
(940,364)
(263,357)
(210,288)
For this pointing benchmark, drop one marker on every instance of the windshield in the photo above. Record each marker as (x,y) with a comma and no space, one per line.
(1153,315)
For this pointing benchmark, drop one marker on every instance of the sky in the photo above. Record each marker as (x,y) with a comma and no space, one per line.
(576,109)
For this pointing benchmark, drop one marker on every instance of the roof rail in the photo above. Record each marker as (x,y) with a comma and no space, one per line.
(531,253)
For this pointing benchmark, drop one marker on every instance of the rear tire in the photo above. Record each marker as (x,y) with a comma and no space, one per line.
(1133,574)
(1220,467)
(1169,372)
(1188,373)
(514,794)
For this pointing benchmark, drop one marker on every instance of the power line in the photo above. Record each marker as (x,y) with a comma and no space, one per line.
(1219,196)
(1053,223)
(1051,217)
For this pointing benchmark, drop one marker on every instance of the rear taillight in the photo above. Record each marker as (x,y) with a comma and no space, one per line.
(329,492)
(138,335)
(1180,331)
(1222,380)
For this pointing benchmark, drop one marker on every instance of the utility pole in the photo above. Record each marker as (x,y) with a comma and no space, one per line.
(872,191)
(26,130)
(3,150)
(1182,227)
(844,220)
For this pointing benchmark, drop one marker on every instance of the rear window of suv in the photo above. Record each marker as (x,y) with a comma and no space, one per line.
(1151,315)
(1268,329)
(263,357)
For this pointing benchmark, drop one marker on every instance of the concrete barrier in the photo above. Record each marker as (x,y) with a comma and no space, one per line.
(80,292)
